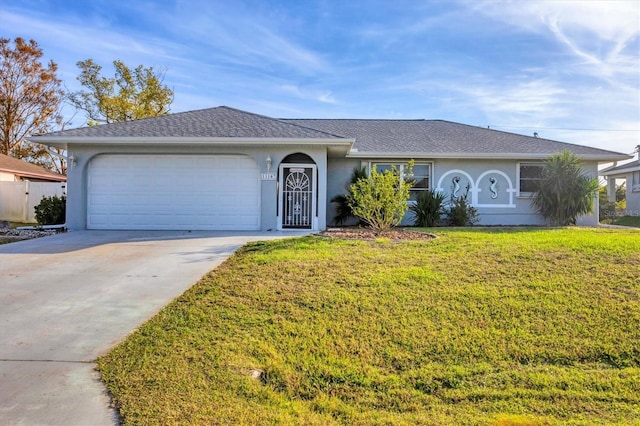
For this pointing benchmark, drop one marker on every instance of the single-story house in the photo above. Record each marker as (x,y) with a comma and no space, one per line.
(631,173)
(15,170)
(226,169)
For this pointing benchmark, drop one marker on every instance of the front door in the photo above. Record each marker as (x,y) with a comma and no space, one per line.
(297,195)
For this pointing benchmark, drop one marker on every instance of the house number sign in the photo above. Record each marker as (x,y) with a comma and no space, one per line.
(268,176)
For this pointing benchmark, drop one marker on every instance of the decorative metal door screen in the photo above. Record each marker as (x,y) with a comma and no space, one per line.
(298,200)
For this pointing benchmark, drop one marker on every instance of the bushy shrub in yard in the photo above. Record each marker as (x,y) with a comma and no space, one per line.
(461,212)
(51,210)
(428,208)
(381,200)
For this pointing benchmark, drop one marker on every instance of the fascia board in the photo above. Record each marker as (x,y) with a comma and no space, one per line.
(65,142)
(35,175)
(619,171)
(486,156)
(193,140)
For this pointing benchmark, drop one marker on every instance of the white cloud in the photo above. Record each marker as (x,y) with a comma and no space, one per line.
(245,38)
(67,42)
(612,20)
(323,96)
(601,35)
(521,100)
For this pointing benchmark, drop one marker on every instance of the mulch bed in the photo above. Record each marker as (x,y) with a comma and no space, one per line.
(358,233)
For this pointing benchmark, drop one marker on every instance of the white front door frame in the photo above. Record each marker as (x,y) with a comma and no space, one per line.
(284,221)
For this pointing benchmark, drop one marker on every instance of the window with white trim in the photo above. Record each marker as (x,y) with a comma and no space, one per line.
(529,176)
(421,175)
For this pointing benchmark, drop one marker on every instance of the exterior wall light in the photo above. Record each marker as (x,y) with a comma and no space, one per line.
(73,160)
(268,161)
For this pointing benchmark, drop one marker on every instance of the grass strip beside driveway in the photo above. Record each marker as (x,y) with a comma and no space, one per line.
(537,326)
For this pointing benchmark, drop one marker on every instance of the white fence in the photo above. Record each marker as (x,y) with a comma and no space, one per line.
(19,199)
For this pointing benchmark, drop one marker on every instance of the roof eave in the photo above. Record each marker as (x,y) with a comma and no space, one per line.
(620,171)
(66,141)
(487,156)
(36,175)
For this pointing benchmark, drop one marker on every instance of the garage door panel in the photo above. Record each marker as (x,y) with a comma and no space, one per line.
(173,192)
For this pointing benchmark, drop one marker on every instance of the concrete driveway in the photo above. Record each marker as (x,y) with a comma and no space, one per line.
(67,299)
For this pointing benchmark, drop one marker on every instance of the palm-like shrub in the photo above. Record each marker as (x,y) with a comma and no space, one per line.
(427,209)
(344,212)
(564,191)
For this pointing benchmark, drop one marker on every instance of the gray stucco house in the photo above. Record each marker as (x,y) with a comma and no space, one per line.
(226,169)
(630,172)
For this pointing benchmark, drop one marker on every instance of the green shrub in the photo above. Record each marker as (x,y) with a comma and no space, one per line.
(461,212)
(427,209)
(380,200)
(51,210)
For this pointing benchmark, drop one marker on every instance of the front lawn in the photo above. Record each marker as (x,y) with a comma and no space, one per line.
(500,326)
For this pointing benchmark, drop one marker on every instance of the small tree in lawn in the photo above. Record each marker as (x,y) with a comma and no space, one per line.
(381,200)
(564,191)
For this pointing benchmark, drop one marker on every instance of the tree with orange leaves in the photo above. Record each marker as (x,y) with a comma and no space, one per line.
(30,98)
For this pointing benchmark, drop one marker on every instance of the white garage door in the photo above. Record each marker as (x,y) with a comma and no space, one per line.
(173,192)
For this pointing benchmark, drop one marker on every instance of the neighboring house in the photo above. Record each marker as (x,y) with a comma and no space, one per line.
(225,169)
(13,170)
(22,186)
(631,173)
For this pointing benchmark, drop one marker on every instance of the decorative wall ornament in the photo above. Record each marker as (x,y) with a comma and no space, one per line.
(496,181)
(456,186)
(492,188)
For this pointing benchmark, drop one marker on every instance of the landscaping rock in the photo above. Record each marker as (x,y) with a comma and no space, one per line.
(25,234)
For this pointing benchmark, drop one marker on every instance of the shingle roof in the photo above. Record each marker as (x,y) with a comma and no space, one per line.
(220,122)
(400,137)
(630,166)
(22,168)
(440,137)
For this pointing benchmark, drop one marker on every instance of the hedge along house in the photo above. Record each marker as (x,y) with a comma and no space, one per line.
(226,169)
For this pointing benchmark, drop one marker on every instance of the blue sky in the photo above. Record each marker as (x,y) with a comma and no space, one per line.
(569,70)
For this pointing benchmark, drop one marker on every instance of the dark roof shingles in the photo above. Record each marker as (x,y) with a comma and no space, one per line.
(629,165)
(223,122)
(439,137)
(371,136)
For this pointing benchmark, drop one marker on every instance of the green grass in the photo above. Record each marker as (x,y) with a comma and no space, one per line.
(628,221)
(500,326)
